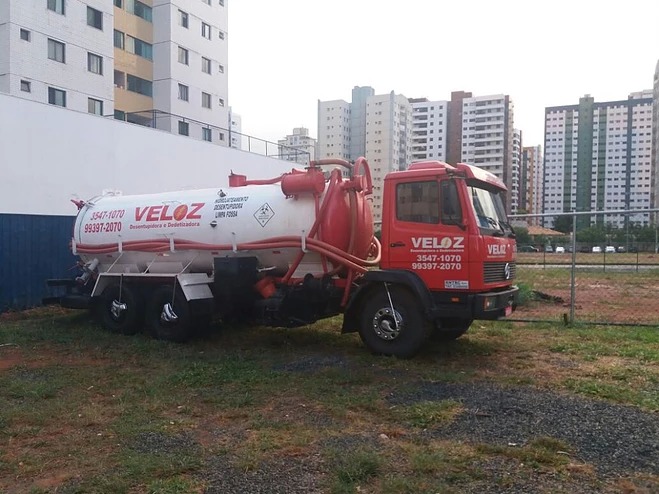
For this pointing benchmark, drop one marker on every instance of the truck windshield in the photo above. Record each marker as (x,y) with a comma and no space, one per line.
(490,211)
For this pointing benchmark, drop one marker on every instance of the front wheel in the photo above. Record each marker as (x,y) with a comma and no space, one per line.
(393,323)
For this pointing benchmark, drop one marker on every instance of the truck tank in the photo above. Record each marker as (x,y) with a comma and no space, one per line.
(296,224)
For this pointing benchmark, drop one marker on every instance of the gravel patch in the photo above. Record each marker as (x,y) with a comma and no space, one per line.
(163,444)
(615,438)
(276,476)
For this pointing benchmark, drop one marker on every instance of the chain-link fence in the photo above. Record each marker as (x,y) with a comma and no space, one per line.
(589,267)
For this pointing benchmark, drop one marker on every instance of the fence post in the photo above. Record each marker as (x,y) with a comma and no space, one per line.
(573,281)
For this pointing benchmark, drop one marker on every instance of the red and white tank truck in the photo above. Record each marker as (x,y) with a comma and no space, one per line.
(292,250)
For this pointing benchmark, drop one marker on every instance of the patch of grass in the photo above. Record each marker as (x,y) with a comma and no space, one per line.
(539,453)
(618,392)
(352,468)
(428,414)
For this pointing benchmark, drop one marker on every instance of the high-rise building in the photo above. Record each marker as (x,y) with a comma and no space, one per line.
(236,130)
(598,157)
(58,52)
(298,147)
(388,140)
(158,63)
(531,189)
(429,129)
(487,135)
(513,196)
(190,67)
(655,143)
(382,132)
(334,129)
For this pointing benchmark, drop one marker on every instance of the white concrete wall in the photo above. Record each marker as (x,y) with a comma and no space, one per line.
(49,155)
(28,60)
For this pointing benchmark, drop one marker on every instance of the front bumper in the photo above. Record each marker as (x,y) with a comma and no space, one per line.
(494,305)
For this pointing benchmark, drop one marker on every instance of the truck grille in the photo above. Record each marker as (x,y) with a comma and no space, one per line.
(494,272)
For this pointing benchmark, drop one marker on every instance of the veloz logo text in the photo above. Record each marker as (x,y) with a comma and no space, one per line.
(445,243)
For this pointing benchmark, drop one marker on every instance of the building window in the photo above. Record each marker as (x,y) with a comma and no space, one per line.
(95,18)
(182,55)
(207,2)
(183,92)
(221,136)
(205,100)
(139,9)
(56,51)
(119,79)
(26,86)
(56,6)
(139,47)
(221,69)
(183,128)
(221,102)
(94,64)
(206,134)
(56,97)
(221,34)
(205,65)
(205,30)
(120,4)
(119,39)
(25,35)
(221,3)
(139,85)
(95,106)
(183,19)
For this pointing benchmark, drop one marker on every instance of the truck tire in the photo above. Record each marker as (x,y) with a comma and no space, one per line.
(382,334)
(450,328)
(177,331)
(127,320)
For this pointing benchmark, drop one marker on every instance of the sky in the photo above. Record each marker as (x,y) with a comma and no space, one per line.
(285,55)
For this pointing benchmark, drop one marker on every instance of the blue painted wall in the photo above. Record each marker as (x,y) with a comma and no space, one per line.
(33,248)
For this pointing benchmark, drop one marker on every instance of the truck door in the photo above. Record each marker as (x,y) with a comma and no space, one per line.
(427,233)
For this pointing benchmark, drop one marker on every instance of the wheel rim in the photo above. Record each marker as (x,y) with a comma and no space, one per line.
(388,324)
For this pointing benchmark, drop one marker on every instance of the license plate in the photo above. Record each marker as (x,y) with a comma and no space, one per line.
(508,310)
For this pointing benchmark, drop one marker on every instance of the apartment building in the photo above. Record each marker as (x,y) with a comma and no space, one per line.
(158,63)
(298,147)
(531,189)
(515,182)
(58,52)
(598,157)
(190,67)
(388,140)
(236,128)
(334,129)
(655,143)
(429,129)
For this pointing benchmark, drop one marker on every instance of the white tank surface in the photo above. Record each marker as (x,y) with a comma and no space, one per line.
(184,231)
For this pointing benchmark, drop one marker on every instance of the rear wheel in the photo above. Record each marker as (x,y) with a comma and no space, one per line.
(168,315)
(451,328)
(121,308)
(400,330)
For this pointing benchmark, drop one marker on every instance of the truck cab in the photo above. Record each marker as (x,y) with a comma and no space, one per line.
(447,247)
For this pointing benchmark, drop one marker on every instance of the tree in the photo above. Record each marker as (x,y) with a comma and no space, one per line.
(563,224)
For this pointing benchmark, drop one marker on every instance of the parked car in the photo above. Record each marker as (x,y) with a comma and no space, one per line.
(560,250)
(597,250)
(549,248)
(621,249)
(610,249)
(527,248)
